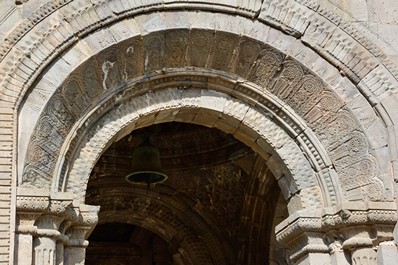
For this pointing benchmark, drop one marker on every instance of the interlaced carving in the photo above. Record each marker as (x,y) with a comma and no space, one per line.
(285,78)
(35,48)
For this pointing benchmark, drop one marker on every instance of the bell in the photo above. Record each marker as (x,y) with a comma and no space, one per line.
(146,165)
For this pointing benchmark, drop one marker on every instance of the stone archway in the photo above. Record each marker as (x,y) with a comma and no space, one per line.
(215,183)
(283,95)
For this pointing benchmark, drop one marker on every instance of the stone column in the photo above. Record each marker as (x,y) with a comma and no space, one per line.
(387,253)
(75,249)
(62,241)
(46,240)
(337,253)
(45,243)
(50,229)
(30,205)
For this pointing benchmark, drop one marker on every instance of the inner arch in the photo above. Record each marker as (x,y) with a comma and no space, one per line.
(204,107)
(218,189)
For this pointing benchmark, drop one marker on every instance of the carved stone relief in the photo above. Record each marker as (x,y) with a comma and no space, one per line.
(46,225)
(284,77)
(29,48)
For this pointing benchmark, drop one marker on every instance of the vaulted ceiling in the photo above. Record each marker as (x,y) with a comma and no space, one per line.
(225,183)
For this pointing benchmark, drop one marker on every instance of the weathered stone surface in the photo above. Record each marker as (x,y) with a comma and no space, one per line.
(309,86)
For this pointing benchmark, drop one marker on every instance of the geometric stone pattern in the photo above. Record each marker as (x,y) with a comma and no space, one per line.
(179,104)
(55,27)
(50,229)
(270,69)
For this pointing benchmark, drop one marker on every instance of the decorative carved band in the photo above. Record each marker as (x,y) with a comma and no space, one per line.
(357,226)
(42,213)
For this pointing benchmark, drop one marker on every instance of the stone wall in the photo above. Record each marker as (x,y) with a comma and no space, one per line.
(311,87)
(374,17)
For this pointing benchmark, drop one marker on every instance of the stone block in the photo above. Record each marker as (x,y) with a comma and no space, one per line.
(387,253)
(246,135)
(79,53)
(363,111)
(314,258)
(384,12)
(377,134)
(295,203)
(206,118)
(10,15)
(212,100)
(278,169)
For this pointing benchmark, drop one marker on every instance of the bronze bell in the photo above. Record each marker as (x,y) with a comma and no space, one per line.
(146,166)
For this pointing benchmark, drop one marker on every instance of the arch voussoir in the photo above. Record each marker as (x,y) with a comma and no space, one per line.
(296,83)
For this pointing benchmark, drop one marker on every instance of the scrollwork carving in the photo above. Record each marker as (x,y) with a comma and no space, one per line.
(153,52)
(264,68)
(175,48)
(72,95)
(198,51)
(223,52)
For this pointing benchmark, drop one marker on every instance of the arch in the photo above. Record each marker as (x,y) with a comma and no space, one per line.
(285,78)
(31,61)
(175,222)
(372,79)
(230,115)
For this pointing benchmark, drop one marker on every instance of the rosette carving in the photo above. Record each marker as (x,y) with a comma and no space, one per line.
(88,215)
(59,202)
(32,200)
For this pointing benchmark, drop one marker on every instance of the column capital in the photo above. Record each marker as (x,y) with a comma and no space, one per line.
(84,222)
(355,225)
(60,202)
(88,215)
(32,200)
(36,200)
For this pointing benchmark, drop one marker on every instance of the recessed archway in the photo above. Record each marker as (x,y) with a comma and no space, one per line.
(220,195)
(121,243)
(278,109)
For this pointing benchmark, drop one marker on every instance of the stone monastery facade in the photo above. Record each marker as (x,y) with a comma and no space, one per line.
(276,120)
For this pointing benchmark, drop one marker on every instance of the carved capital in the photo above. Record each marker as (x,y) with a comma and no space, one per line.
(40,212)
(81,227)
(88,215)
(25,223)
(364,256)
(49,222)
(307,242)
(357,226)
(32,200)
(77,236)
(59,202)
